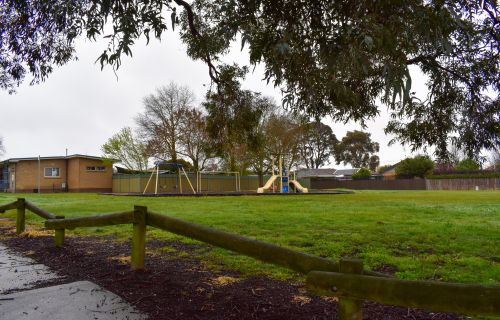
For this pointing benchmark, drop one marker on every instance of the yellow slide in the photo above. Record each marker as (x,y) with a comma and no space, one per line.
(298,186)
(268,184)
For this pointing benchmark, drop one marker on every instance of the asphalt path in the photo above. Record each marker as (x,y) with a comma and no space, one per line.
(26,293)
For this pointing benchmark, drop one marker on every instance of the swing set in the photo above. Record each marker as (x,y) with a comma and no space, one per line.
(180,172)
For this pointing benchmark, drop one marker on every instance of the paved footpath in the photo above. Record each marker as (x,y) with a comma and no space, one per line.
(80,300)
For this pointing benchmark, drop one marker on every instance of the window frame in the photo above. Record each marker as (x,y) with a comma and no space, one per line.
(95,168)
(52,171)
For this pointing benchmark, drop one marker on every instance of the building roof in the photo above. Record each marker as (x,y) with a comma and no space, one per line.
(303,173)
(73,156)
(345,172)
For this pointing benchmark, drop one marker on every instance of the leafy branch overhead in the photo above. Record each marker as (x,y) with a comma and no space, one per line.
(331,58)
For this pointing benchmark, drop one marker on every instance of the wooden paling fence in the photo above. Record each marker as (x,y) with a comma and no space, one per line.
(346,279)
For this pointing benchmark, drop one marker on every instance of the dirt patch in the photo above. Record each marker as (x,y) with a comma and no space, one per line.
(182,288)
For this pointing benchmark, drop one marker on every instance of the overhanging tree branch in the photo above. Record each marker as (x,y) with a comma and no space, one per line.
(212,70)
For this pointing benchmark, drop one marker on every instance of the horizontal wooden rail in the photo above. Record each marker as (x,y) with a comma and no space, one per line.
(295,260)
(346,279)
(8,206)
(436,296)
(94,221)
(40,212)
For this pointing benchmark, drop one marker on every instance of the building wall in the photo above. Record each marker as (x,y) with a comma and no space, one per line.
(73,175)
(390,174)
(26,175)
(79,178)
(89,180)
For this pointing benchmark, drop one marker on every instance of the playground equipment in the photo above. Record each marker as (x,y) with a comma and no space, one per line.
(180,171)
(237,178)
(284,182)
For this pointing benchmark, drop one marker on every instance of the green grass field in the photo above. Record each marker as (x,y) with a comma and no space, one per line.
(439,235)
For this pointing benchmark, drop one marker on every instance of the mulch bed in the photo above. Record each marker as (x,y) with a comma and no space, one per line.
(182,288)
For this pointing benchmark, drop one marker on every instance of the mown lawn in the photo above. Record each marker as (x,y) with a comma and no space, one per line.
(440,235)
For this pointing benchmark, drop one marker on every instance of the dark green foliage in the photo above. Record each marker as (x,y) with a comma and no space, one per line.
(317,144)
(35,36)
(467,164)
(335,58)
(330,57)
(233,119)
(363,173)
(420,166)
(358,149)
(172,165)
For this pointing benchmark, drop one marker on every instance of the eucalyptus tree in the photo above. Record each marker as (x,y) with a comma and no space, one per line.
(317,144)
(331,58)
(357,149)
(234,120)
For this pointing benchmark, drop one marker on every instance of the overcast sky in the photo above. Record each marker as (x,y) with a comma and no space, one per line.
(79,106)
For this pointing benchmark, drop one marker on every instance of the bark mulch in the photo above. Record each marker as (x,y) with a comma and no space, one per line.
(174,287)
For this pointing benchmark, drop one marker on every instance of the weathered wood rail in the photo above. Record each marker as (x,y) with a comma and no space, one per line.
(21,205)
(346,279)
(430,295)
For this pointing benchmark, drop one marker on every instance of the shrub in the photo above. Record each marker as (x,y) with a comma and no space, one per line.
(362,173)
(420,166)
(467,165)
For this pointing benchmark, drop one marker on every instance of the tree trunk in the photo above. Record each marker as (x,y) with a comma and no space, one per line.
(261,178)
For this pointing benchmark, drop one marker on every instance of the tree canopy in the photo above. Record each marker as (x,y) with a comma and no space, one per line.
(331,58)
(234,120)
(419,166)
(358,149)
(126,148)
(467,165)
(362,173)
(317,144)
(161,122)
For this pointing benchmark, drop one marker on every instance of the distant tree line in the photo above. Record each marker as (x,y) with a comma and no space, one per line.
(242,132)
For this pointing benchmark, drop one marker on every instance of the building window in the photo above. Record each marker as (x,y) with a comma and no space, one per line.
(51,172)
(96,168)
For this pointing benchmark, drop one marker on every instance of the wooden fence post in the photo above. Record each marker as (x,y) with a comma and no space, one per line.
(139,238)
(350,309)
(21,215)
(59,235)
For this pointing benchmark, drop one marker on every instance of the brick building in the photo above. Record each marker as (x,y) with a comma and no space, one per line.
(74,173)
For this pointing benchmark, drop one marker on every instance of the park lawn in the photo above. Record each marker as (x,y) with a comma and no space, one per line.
(439,235)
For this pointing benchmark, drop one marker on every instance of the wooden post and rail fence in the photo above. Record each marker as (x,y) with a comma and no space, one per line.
(346,280)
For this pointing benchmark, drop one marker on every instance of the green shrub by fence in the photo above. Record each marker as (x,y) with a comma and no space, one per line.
(346,279)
